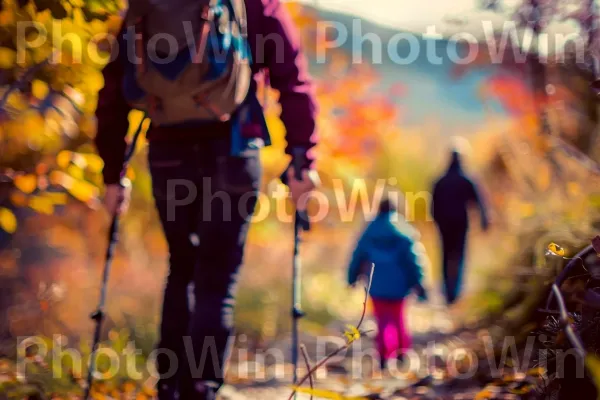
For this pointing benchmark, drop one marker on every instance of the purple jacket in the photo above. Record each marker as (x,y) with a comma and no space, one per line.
(288,74)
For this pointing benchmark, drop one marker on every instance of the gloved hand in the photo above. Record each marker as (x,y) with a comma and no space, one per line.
(300,181)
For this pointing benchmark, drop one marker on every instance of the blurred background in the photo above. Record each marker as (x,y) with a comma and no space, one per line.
(534,148)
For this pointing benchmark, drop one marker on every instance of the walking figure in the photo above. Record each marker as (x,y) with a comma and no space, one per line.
(453,193)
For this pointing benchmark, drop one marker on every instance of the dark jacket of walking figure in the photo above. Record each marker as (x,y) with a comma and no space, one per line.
(453,193)
(205,178)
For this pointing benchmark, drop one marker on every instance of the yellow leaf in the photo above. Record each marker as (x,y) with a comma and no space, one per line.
(8,221)
(593,364)
(39,89)
(556,250)
(94,81)
(63,159)
(7,58)
(94,163)
(57,198)
(41,204)
(352,333)
(75,171)
(328,394)
(33,122)
(83,191)
(26,183)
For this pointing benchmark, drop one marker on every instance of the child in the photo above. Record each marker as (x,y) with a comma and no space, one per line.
(398,257)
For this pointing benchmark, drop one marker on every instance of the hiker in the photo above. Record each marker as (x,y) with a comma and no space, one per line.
(453,193)
(392,245)
(203,159)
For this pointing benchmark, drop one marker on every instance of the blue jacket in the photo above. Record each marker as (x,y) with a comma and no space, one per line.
(395,250)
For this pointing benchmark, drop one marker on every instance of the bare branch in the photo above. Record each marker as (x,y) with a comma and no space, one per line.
(305,356)
(308,375)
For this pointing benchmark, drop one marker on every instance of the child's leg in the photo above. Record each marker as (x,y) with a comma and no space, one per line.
(387,333)
(404,339)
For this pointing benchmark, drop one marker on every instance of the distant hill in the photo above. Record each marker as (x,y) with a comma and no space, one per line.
(433,94)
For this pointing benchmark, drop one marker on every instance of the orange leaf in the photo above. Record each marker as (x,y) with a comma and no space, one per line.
(26,183)
(18,199)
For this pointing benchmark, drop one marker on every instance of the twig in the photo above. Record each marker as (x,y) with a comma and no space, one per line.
(367,290)
(564,320)
(342,348)
(305,356)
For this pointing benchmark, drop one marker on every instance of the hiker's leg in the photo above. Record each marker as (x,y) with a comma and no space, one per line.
(227,203)
(168,164)
(445,241)
(460,257)
(456,261)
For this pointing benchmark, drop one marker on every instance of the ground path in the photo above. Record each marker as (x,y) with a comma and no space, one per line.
(345,375)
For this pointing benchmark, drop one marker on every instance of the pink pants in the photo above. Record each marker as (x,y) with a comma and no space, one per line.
(393,338)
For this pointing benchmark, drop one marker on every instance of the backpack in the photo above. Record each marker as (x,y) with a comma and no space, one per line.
(192,59)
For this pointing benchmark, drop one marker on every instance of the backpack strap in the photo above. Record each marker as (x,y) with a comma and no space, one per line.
(199,99)
(207,15)
(140,54)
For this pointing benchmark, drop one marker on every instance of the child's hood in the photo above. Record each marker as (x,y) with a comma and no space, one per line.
(385,232)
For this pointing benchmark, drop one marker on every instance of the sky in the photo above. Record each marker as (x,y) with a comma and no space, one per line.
(407,15)
(416,16)
(431,93)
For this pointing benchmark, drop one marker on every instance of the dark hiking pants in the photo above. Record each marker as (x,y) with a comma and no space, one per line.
(454,238)
(205,199)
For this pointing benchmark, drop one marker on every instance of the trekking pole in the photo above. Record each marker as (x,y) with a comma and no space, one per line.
(113,236)
(301,222)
